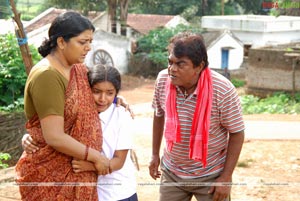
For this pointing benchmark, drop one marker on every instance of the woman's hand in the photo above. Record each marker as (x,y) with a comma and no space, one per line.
(120,100)
(28,144)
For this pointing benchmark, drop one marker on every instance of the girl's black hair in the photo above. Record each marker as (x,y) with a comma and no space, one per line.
(67,25)
(102,73)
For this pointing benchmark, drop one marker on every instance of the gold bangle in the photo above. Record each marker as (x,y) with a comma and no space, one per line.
(86,152)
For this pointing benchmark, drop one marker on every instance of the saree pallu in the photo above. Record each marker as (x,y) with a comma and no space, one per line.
(47,174)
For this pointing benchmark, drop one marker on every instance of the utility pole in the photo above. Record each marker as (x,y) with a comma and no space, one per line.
(22,38)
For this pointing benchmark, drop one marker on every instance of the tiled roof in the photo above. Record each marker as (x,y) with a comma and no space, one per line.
(48,16)
(45,18)
(144,23)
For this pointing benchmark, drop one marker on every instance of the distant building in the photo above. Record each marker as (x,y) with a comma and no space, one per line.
(225,51)
(140,24)
(257,30)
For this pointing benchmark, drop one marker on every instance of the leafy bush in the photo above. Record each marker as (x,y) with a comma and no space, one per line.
(12,72)
(4,157)
(278,103)
(238,83)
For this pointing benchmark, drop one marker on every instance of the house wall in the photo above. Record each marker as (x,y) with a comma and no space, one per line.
(102,22)
(260,39)
(235,55)
(269,71)
(117,46)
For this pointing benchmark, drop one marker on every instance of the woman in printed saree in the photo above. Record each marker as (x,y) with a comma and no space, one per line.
(62,117)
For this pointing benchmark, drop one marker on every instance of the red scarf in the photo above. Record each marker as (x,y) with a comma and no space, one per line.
(201,121)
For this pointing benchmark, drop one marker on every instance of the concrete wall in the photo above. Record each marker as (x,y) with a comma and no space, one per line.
(269,70)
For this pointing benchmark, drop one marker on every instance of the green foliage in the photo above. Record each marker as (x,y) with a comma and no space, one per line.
(4,157)
(278,103)
(238,83)
(82,5)
(155,43)
(252,7)
(12,73)
(178,7)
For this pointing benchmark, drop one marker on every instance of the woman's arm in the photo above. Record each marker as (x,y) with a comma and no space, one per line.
(53,133)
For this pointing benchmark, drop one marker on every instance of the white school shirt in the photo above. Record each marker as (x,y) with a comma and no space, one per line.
(120,184)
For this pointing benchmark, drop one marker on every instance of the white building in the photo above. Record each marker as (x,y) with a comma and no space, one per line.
(224,50)
(257,30)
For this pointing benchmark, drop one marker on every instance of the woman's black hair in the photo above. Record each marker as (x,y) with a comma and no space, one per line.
(102,73)
(190,45)
(67,25)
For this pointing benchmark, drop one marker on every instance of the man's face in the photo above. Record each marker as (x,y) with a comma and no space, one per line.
(182,71)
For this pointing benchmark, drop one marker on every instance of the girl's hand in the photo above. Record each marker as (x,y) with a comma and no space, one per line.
(81,166)
(102,165)
(28,144)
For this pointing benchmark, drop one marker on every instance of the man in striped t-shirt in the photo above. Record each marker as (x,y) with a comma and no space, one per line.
(198,112)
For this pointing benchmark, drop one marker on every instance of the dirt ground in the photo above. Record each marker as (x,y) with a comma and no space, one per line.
(267,170)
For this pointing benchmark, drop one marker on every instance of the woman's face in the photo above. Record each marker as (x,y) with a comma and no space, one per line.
(76,48)
(104,94)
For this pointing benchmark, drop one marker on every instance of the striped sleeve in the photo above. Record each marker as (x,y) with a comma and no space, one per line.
(230,108)
(159,93)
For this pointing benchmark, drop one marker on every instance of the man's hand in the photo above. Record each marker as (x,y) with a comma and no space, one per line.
(153,167)
(220,193)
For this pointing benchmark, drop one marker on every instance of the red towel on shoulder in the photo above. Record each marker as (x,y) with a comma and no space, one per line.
(201,121)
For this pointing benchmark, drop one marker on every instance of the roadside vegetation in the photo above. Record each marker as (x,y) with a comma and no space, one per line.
(4,157)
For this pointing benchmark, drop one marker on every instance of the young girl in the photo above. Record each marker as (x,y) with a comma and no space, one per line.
(120,183)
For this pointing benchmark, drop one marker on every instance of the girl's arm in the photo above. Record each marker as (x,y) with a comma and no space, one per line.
(118,160)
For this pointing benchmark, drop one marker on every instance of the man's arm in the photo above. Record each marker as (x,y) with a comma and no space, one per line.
(157,133)
(235,144)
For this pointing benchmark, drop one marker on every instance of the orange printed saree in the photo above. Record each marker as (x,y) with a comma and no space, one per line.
(47,174)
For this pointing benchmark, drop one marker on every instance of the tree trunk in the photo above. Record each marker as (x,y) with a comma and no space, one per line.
(22,39)
(123,15)
(112,12)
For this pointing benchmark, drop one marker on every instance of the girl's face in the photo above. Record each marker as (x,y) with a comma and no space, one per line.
(104,94)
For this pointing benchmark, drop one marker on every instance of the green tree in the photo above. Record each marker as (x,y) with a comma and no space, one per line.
(253,7)
(83,5)
(155,43)
(5,11)
(176,7)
